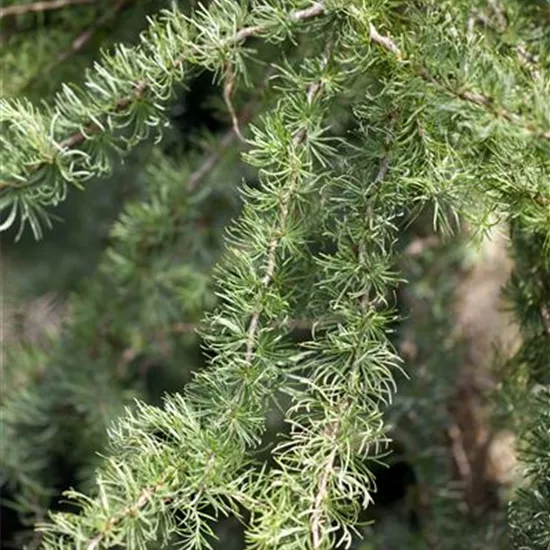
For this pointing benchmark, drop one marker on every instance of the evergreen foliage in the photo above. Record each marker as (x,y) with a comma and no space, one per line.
(238,344)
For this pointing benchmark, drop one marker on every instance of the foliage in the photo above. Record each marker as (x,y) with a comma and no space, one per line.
(271,311)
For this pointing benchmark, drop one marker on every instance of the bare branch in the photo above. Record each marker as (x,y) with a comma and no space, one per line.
(461,458)
(316,9)
(20,9)
(81,40)
(545,317)
(227,91)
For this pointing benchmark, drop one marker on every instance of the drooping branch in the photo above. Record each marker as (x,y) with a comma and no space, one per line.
(36,7)
(274,208)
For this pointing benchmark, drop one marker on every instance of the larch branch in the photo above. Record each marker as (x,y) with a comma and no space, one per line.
(298,139)
(385,42)
(36,7)
(482,100)
(131,511)
(80,41)
(322,491)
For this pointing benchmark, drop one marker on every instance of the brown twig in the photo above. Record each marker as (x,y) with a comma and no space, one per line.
(82,39)
(36,7)
(470,96)
(385,42)
(227,92)
(545,317)
(544,307)
(459,452)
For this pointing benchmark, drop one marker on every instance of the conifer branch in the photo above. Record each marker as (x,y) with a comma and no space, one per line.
(130,511)
(315,239)
(91,128)
(34,7)
(223,417)
(334,401)
(270,268)
(327,471)
(475,98)
(298,139)
(110,112)
(488,103)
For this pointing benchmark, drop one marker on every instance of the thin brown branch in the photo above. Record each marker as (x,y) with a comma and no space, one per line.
(211,160)
(313,11)
(80,41)
(545,317)
(322,490)
(459,453)
(544,307)
(385,42)
(227,140)
(36,7)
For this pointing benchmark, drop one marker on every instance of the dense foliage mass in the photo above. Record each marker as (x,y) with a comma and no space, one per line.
(270,297)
